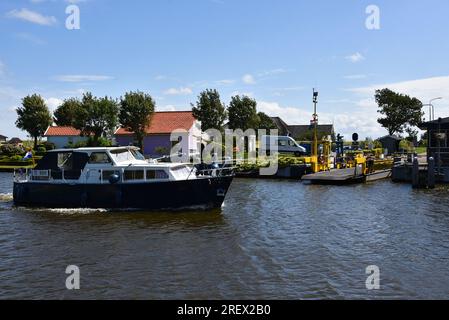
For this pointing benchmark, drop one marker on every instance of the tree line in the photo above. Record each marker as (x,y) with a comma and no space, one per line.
(95,117)
(98,117)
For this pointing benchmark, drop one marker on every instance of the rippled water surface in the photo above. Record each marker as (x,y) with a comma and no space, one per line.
(271,240)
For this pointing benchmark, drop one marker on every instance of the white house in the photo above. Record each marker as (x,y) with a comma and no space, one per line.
(162,125)
(62,137)
(157,136)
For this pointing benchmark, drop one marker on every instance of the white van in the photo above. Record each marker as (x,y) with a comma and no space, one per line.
(284,144)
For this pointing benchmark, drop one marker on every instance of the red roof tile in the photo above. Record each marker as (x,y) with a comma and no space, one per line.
(62,131)
(166,123)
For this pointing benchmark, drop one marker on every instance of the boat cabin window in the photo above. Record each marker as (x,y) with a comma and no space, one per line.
(138,155)
(181,172)
(156,175)
(122,155)
(134,175)
(99,158)
(65,161)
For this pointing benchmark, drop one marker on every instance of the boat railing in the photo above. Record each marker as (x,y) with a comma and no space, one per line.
(32,175)
(124,175)
(217,170)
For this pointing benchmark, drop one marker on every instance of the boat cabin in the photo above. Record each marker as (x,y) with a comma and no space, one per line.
(105,165)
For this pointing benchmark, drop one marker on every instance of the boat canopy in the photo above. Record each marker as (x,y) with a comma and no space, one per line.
(63,160)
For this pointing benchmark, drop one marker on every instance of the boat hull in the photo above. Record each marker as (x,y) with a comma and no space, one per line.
(207,192)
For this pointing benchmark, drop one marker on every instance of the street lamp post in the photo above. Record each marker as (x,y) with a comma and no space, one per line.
(433,108)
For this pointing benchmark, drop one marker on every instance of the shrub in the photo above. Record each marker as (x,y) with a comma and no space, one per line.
(10,150)
(41,150)
(80,144)
(102,142)
(48,146)
(163,151)
(16,158)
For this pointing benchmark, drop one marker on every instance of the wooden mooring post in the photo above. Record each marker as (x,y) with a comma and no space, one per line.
(415,173)
(431,173)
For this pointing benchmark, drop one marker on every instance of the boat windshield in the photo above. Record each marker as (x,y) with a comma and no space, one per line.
(138,155)
(125,155)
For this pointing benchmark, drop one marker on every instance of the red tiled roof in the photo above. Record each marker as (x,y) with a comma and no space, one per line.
(62,132)
(166,123)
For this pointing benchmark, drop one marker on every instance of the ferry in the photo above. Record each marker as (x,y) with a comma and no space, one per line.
(119,178)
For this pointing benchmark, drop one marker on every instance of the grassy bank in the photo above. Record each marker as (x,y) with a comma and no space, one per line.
(12,168)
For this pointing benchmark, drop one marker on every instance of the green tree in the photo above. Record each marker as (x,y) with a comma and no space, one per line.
(98,117)
(135,113)
(33,117)
(265,122)
(400,111)
(242,113)
(210,110)
(66,113)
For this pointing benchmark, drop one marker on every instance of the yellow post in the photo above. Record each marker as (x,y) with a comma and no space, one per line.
(315,164)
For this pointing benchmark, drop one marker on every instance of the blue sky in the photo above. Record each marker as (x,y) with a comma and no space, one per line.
(274,51)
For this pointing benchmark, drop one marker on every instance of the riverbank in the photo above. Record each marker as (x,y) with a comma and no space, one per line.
(12,168)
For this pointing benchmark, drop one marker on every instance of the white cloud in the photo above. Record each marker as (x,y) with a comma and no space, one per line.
(367,103)
(32,16)
(160,77)
(291,115)
(248,79)
(168,107)
(346,122)
(68,1)
(423,89)
(53,103)
(75,1)
(355,76)
(82,78)
(178,91)
(356,57)
(238,93)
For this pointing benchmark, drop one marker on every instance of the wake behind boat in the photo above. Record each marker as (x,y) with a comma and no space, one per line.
(118,178)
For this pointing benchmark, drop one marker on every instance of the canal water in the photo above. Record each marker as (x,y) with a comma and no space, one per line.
(271,240)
